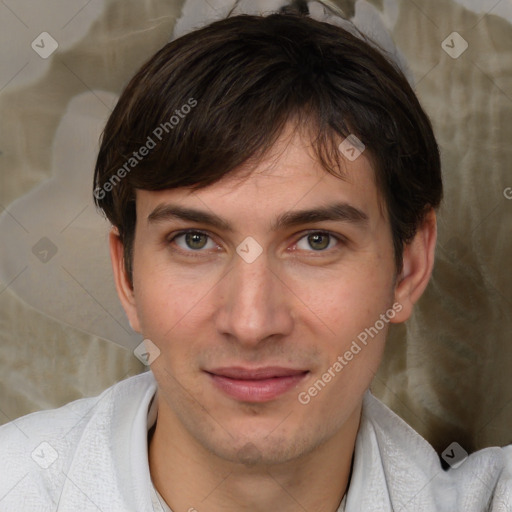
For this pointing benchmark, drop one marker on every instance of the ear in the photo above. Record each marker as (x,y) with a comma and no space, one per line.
(418,263)
(124,290)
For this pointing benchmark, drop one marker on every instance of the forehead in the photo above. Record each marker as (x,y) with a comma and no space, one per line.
(289,177)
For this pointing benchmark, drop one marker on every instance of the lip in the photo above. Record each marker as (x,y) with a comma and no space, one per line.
(257,384)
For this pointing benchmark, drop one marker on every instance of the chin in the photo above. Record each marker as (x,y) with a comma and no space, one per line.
(264,450)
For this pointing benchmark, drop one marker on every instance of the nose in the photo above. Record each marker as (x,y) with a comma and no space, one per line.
(254,303)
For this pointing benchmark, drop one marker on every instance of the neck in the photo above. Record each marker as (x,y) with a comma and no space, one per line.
(190,478)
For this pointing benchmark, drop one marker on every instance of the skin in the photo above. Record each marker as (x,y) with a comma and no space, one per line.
(300,304)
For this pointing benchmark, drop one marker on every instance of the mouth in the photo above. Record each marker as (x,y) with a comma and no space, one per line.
(258,384)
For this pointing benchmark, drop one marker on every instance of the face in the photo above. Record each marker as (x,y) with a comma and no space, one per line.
(252,313)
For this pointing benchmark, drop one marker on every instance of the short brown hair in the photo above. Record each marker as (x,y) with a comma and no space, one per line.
(242,78)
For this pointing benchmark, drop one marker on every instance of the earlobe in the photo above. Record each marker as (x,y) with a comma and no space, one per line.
(418,263)
(124,289)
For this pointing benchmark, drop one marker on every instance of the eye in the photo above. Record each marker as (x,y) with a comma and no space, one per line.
(197,241)
(319,241)
(192,241)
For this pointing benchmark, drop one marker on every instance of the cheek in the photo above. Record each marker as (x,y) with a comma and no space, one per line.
(164,306)
(171,303)
(352,335)
(347,299)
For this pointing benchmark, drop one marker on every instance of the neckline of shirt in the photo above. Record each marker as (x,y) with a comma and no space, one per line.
(159,504)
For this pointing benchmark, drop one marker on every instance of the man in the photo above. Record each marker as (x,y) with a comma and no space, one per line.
(272,185)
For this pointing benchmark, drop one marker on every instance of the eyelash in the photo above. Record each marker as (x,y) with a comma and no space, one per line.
(198,253)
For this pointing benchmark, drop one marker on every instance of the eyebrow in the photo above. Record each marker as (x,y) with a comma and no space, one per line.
(339,211)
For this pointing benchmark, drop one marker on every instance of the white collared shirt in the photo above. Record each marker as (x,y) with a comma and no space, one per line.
(92,455)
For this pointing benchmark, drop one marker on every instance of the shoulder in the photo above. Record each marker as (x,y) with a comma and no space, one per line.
(402,461)
(502,499)
(38,449)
